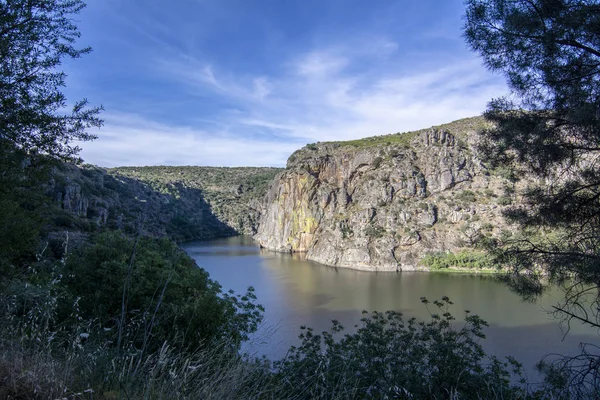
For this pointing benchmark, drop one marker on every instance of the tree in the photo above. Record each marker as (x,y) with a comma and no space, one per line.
(549,52)
(35,36)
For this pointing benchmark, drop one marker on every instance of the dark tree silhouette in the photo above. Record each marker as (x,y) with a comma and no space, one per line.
(549,52)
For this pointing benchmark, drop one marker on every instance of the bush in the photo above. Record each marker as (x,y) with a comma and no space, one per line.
(462,259)
(161,284)
(487,227)
(467,196)
(377,162)
(504,200)
(389,357)
(374,231)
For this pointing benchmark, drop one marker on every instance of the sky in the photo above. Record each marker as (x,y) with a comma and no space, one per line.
(247,82)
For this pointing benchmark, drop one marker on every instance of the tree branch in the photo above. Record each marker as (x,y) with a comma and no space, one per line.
(577,317)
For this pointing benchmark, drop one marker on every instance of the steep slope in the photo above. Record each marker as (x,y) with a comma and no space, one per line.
(234,195)
(383,203)
(181,202)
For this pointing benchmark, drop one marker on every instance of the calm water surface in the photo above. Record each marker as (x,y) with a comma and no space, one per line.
(297,292)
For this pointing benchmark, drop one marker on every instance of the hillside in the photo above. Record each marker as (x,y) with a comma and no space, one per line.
(234,195)
(181,202)
(387,202)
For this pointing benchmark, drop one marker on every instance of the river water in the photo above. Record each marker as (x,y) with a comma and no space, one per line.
(297,292)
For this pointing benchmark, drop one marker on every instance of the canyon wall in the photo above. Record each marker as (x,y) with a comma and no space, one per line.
(183,203)
(383,203)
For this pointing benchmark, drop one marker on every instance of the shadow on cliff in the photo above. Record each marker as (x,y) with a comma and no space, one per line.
(193,218)
(89,199)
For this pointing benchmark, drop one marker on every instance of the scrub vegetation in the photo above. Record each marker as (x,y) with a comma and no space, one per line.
(463,260)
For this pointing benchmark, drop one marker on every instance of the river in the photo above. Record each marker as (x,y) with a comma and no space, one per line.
(297,292)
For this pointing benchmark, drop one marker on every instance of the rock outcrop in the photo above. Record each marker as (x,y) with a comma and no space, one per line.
(181,202)
(382,203)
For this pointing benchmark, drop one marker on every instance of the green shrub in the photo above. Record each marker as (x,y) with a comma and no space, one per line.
(462,259)
(504,200)
(154,274)
(377,162)
(467,196)
(389,357)
(487,227)
(374,231)
(489,193)
(506,173)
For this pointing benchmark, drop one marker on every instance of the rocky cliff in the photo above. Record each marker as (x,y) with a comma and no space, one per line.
(233,195)
(181,202)
(383,203)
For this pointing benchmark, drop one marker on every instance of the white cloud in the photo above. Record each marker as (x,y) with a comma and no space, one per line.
(132,140)
(319,64)
(324,94)
(261,87)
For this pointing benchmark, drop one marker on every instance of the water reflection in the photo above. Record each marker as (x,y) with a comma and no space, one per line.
(298,292)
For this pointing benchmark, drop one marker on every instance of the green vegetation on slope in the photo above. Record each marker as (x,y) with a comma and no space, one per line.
(234,195)
(182,202)
(463,260)
(458,128)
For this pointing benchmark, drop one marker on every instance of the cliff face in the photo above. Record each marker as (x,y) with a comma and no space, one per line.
(232,195)
(383,203)
(181,202)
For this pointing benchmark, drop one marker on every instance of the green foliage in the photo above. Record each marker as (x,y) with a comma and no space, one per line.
(19,231)
(35,36)
(23,208)
(465,259)
(56,343)
(374,231)
(154,273)
(489,193)
(504,200)
(389,357)
(487,227)
(505,172)
(402,139)
(549,51)
(467,196)
(377,162)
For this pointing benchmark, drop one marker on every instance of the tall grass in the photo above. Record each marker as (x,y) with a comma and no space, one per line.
(80,361)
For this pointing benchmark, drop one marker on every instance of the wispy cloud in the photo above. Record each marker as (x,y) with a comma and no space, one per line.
(319,64)
(129,139)
(199,108)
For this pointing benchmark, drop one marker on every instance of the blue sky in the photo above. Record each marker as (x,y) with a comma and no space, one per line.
(247,82)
